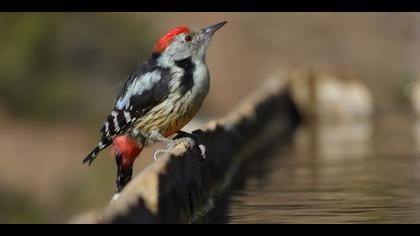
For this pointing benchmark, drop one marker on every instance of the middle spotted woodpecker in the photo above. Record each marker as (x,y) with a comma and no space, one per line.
(158,99)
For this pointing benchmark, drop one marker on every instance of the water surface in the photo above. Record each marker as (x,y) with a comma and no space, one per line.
(354,173)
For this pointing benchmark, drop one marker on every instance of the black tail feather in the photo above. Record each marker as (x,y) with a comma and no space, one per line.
(91,157)
(124,175)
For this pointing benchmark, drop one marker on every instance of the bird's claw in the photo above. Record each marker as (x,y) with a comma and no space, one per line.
(190,143)
(196,141)
(203,151)
(160,152)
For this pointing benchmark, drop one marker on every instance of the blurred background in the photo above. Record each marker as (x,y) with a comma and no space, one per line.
(60,73)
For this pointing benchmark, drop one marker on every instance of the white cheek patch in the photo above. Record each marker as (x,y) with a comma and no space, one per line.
(137,87)
(177,50)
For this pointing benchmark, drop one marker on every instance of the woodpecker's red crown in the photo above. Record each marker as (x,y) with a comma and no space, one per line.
(167,38)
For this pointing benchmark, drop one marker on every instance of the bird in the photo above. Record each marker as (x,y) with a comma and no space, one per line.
(159,97)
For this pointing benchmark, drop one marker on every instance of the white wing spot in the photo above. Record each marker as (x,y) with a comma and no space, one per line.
(127,116)
(107,127)
(116,125)
(137,87)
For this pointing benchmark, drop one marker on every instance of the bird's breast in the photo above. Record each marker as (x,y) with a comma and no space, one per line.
(181,105)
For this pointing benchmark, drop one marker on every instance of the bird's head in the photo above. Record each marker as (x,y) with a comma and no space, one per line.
(184,42)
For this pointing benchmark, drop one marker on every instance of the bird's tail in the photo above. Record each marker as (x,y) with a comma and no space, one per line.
(92,155)
(124,173)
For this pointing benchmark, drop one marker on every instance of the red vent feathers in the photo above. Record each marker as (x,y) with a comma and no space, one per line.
(167,38)
(128,148)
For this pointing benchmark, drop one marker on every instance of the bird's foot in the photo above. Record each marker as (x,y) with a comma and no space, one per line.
(191,141)
(160,152)
(197,138)
(203,152)
(189,144)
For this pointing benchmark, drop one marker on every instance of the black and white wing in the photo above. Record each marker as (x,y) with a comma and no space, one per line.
(146,87)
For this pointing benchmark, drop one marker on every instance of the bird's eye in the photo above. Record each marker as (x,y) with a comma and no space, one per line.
(188,38)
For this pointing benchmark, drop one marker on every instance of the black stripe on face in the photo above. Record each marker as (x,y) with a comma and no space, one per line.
(187,80)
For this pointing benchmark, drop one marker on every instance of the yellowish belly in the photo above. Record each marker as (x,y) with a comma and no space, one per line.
(168,121)
(176,124)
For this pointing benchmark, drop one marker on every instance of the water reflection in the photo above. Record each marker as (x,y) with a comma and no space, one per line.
(330,174)
(340,140)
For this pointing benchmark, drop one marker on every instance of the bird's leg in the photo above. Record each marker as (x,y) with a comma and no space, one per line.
(170,143)
(124,173)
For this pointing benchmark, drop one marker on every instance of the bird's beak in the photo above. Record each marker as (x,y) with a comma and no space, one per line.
(209,31)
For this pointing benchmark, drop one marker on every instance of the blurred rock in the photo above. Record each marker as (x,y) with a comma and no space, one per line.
(324,95)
